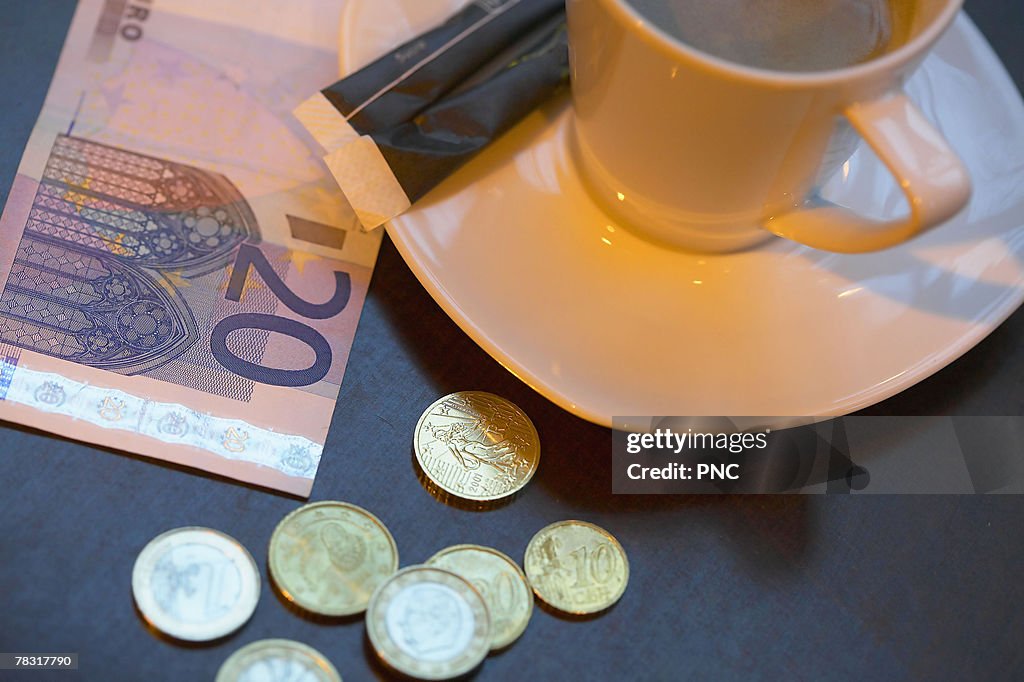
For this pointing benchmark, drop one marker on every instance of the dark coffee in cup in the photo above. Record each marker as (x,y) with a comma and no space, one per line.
(785,35)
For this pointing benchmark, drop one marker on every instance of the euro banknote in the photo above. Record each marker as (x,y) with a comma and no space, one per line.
(181,275)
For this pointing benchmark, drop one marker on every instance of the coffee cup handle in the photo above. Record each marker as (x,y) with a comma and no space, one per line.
(931,175)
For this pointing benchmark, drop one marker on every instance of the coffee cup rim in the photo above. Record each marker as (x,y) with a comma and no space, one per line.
(676,48)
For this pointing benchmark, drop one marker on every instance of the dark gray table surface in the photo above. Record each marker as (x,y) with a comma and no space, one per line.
(788,587)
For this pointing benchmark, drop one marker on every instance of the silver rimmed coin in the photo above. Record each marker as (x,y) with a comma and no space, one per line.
(429,623)
(195,584)
(476,446)
(500,582)
(277,660)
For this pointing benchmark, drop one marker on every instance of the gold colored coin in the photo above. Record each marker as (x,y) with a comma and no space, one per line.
(195,584)
(576,567)
(277,660)
(329,557)
(500,582)
(429,623)
(477,446)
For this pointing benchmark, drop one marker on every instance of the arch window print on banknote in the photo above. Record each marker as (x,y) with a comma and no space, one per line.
(120,252)
(179,274)
(110,236)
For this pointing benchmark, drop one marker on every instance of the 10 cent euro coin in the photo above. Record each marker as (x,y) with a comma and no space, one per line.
(277,660)
(476,446)
(429,623)
(328,557)
(500,582)
(195,584)
(576,567)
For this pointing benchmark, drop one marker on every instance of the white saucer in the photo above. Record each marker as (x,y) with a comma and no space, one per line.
(604,323)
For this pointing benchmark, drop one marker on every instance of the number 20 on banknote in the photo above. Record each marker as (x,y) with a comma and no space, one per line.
(251,258)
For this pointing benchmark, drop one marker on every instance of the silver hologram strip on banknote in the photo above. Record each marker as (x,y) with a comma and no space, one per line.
(169,423)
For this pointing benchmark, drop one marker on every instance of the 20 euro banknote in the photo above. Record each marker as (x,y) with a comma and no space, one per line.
(182,279)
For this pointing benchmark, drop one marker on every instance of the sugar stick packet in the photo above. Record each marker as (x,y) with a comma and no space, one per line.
(399,85)
(384,172)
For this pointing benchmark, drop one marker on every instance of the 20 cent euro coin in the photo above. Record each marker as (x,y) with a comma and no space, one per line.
(195,584)
(500,582)
(429,623)
(576,567)
(477,446)
(328,557)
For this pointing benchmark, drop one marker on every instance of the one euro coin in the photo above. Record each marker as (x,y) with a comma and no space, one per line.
(195,584)
(429,623)
(277,660)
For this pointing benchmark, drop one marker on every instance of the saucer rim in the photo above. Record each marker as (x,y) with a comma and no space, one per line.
(980,327)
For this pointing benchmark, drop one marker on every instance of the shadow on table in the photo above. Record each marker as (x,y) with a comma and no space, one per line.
(575,469)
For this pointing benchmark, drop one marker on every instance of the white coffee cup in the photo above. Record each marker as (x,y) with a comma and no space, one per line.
(709,155)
